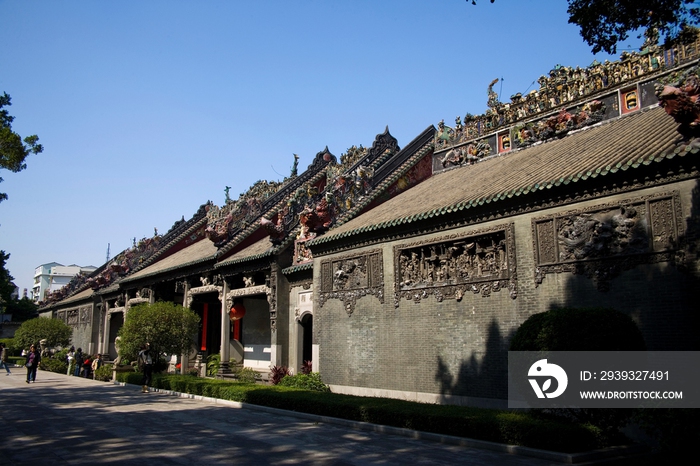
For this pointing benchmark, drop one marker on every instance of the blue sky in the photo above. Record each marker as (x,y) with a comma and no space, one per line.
(148,109)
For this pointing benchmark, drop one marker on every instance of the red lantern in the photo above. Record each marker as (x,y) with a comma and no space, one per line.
(236,312)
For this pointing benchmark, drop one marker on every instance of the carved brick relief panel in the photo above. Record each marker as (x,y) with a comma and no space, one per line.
(602,241)
(481,261)
(350,277)
(75,317)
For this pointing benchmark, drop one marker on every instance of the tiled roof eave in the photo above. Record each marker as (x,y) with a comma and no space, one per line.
(385,184)
(169,269)
(298,268)
(268,215)
(168,246)
(692,147)
(270,252)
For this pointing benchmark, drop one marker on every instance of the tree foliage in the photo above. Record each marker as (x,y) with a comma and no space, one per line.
(21,309)
(605,23)
(168,327)
(55,331)
(6,286)
(13,150)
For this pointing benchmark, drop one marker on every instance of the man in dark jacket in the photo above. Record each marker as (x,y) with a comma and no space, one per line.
(79,359)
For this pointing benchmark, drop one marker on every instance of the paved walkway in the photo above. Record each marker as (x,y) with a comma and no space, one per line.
(61,420)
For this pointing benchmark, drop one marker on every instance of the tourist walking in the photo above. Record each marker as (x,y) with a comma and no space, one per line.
(3,358)
(79,358)
(33,359)
(146,364)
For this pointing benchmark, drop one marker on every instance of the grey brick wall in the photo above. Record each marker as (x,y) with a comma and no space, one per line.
(459,348)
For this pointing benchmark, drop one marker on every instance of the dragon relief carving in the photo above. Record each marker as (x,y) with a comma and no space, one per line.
(601,234)
(603,241)
(482,262)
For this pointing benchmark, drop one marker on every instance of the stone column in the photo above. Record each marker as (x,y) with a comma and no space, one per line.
(225,333)
(185,357)
(104,349)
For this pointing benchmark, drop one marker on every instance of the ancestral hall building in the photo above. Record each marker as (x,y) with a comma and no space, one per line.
(404,272)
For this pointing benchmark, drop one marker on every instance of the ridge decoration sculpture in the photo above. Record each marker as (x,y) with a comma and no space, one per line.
(317,205)
(120,266)
(235,215)
(563,87)
(678,94)
(346,184)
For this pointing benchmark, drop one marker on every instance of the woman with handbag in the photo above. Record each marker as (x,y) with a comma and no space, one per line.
(31,363)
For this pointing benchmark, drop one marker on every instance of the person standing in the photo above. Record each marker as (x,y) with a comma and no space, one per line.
(71,359)
(146,363)
(96,364)
(3,358)
(87,367)
(79,358)
(32,363)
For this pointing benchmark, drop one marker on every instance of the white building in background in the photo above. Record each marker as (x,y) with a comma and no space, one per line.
(53,276)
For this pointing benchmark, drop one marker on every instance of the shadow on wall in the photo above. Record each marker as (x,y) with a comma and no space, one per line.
(660,297)
(484,377)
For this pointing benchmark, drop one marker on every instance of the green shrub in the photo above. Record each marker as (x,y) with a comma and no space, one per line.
(62,355)
(10,346)
(213,364)
(104,372)
(55,331)
(166,326)
(53,365)
(243,374)
(130,377)
(310,381)
(247,375)
(583,329)
(17,360)
(675,430)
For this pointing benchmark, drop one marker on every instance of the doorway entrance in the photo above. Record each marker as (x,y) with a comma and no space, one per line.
(307,324)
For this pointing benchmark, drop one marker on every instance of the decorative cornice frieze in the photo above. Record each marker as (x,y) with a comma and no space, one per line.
(243,292)
(202,290)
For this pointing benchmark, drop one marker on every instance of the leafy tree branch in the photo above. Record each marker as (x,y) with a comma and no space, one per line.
(13,149)
(605,23)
